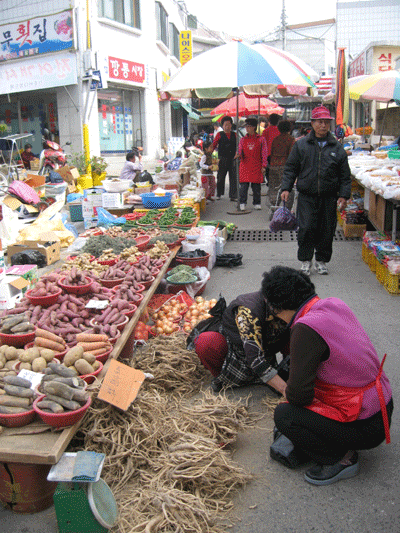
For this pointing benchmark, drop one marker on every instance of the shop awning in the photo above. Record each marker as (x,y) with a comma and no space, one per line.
(176,104)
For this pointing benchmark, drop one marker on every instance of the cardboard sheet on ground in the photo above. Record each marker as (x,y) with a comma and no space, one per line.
(120,385)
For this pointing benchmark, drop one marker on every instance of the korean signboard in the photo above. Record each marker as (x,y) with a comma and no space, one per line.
(122,69)
(185,46)
(50,33)
(357,67)
(38,73)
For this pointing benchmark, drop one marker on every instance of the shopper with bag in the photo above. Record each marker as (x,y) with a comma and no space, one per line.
(239,343)
(319,164)
(225,142)
(339,399)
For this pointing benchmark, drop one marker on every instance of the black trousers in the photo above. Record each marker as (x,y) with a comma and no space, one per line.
(326,441)
(316,217)
(255,187)
(226,165)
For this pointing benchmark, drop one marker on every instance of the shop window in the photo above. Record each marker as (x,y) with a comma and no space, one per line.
(162,23)
(174,36)
(123,11)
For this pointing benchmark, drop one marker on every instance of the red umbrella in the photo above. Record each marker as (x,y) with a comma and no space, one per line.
(248,106)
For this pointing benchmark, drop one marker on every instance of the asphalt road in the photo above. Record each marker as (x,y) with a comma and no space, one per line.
(278,500)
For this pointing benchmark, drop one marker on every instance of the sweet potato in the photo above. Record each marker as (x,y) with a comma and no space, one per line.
(69,404)
(14,401)
(48,335)
(62,370)
(90,346)
(48,343)
(21,392)
(6,410)
(18,382)
(91,337)
(48,405)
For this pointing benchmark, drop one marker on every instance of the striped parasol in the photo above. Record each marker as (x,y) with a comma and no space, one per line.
(342,91)
(381,87)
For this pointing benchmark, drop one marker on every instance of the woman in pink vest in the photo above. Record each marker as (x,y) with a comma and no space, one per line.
(338,399)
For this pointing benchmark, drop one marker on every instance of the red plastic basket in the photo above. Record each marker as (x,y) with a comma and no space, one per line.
(158,300)
(61,420)
(193,262)
(142,242)
(109,262)
(131,311)
(149,283)
(18,341)
(89,378)
(111,283)
(44,301)
(76,289)
(104,356)
(17,420)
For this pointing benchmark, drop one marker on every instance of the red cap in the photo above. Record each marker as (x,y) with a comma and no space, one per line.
(321,112)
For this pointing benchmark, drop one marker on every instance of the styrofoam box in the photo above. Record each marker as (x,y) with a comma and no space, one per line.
(112,199)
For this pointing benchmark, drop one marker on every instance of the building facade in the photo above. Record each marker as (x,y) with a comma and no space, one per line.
(98,64)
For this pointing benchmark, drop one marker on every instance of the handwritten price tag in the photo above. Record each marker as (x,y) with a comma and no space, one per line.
(34,377)
(97,304)
(121,384)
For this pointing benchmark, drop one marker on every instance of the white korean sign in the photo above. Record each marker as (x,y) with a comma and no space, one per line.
(38,73)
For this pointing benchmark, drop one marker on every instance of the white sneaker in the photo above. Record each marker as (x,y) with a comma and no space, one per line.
(320,267)
(257,206)
(306,267)
(218,197)
(242,207)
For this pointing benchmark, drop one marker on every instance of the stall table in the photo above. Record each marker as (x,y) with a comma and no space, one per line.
(47,447)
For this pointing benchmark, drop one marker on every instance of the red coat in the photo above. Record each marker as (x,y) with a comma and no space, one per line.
(253,156)
(269,135)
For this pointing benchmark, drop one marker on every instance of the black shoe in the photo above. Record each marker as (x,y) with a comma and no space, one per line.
(327,474)
(216,385)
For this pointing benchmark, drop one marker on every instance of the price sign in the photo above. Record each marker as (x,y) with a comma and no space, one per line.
(34,377)
(97,304)
(121,384)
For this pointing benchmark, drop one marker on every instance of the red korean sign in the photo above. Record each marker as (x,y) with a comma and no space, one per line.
(122,69)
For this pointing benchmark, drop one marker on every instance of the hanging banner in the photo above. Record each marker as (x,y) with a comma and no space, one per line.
(50,33)
(38,73)
(122,69)
(185,46)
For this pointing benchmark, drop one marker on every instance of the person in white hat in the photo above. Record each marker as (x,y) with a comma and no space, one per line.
(319,164)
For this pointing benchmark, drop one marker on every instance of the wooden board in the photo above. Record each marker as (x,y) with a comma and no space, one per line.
(47,448)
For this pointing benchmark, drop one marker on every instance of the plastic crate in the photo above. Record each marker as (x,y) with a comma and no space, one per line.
(364,252)
(151,201)
(380,272)
(394,154)
(392,282)
(75,212)
(372,262)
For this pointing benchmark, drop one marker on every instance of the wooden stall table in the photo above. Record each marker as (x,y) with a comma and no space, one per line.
(47,447)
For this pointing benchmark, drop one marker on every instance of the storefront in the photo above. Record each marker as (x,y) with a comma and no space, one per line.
(121,113)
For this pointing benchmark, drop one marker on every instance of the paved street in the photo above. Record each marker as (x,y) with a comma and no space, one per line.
(279,500)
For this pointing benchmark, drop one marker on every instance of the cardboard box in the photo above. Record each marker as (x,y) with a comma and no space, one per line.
(50,252)
(114,200)
(12,290)
(69,174)
(223,233)
(90,222)
(35,164)
(28,272)
(93,197)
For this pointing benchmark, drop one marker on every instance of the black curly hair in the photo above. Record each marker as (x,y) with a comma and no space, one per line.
(285,288)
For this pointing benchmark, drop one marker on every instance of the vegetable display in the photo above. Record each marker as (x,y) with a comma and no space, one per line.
(16,325)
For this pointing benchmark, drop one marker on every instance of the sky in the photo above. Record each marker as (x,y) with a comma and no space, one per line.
(252,18)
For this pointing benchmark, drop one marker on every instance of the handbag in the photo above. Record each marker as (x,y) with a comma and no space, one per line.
(24,192)
(283,219)
(284,451)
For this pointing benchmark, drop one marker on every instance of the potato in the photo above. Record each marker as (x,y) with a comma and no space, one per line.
(39,364)
(10,365)
(83,367)
(29,355)
(11,353)
(25,366)
(90,358)
(96,365)
(3,348)
(47,354)
(73,355)
(33,352)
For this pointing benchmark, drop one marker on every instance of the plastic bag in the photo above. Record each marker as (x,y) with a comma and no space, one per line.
(193,288)
(23,192)
(283,451)
(107,219)
(207,324)
(29,258)
(282,220)
(77,245)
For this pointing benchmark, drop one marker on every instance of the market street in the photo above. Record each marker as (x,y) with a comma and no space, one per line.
(279,499)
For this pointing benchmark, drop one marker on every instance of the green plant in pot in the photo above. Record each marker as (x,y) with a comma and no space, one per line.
(98,165)
(78,160)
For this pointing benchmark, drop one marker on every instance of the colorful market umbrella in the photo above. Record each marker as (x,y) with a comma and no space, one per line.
(342,94)
(214,73)
(381,87)
(247,106)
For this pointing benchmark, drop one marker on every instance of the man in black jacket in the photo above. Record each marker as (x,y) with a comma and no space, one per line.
(319,164)
(225,142)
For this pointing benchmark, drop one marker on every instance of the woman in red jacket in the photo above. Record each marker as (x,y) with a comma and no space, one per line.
(253,156)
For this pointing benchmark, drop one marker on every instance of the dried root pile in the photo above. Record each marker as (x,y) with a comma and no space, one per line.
(166,456)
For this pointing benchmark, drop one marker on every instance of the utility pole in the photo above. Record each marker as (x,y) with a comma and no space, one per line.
(283,25)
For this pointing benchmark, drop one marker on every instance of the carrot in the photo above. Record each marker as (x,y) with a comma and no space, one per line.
(48,335)
(91,337)
(90,346)
(48,343)
(99,351)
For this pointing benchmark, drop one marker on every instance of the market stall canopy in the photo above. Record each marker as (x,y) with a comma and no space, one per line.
(214,73)
(193,114)
(381,87)
(247,106)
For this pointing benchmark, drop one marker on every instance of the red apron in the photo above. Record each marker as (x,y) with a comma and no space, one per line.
(344,403)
